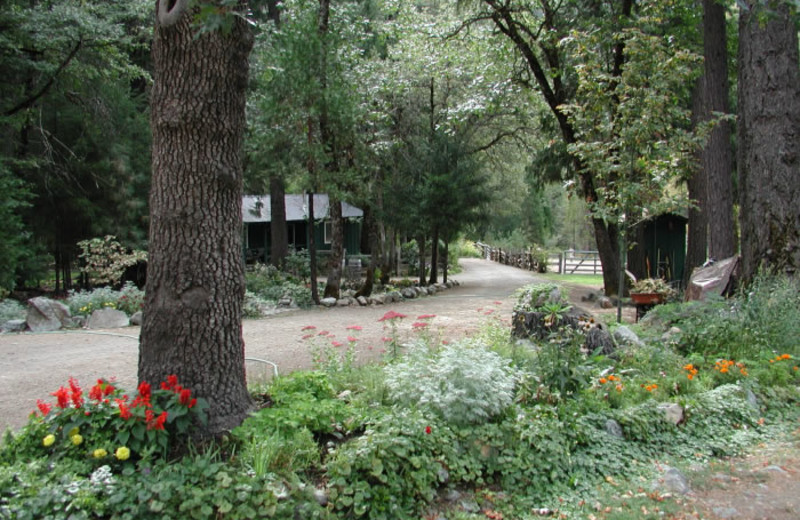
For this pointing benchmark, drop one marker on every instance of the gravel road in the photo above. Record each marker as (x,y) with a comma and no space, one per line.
(34,365)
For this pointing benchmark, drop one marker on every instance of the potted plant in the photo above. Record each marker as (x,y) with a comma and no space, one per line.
(650,291)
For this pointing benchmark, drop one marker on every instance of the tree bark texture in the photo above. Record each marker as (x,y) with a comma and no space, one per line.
(279,244)
(717,155)
(696,185)
(195,283)
(769,139)
(434,277)
(333,285)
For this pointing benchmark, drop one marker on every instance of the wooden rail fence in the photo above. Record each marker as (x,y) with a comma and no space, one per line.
(565,262)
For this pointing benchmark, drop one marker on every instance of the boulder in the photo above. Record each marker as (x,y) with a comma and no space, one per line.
(614,429)
(408,293)
(107,319)
(673,412)
(626,336)
(45,315)
(362,301)
(672,481)
(605,302)
(328,302)
(136,319)
(343,302)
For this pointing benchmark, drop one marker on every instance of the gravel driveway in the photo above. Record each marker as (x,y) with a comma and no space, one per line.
(34,365)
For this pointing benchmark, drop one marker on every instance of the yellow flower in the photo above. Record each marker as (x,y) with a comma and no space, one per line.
(49,440)
(122,453)
(73,432)
(76,439)
(99,453)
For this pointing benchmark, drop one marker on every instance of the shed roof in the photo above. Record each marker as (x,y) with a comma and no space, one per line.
(256,208)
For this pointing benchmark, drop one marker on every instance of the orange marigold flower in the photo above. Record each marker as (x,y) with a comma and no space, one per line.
(603,380)
(786,356)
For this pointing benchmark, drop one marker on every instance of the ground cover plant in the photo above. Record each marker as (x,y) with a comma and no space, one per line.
(484,428)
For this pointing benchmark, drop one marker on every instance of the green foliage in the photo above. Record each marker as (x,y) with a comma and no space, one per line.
(464,249)
(268,285)
(196,486)
(386,445)
(392,470)
(129,299)
(11,310)
(762,321)
(14,245)
(560,365)
(104,260)
(630,122)
(462,383)
(282,437)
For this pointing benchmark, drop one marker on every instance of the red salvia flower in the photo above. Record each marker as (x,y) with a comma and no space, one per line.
(77,393)
(62,397)
(124,411)
(43,407)
(185,396)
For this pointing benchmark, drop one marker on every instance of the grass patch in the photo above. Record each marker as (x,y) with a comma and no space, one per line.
(588,280)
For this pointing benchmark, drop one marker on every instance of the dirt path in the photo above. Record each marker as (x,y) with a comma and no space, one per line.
(34,365)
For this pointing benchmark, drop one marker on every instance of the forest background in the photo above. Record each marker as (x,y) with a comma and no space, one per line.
(563,125)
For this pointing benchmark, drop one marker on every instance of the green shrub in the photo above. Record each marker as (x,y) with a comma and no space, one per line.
(266,284)
(391,471)
(462,383)
(104,260)
(129,299)
(561,366)
(11,310)
(764,319)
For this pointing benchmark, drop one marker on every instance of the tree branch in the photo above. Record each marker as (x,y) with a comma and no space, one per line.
(27,103)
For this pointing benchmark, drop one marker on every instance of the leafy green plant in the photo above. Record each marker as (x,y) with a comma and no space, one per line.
(392,470)
(266,284)
(763,320)
(462,383)
(11,310)
(104,260)
(560,364)
(105,424)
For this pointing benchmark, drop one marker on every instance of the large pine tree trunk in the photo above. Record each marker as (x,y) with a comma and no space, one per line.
(279,245)
(195,282)
(696,185)
(769,139)
(717,160)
